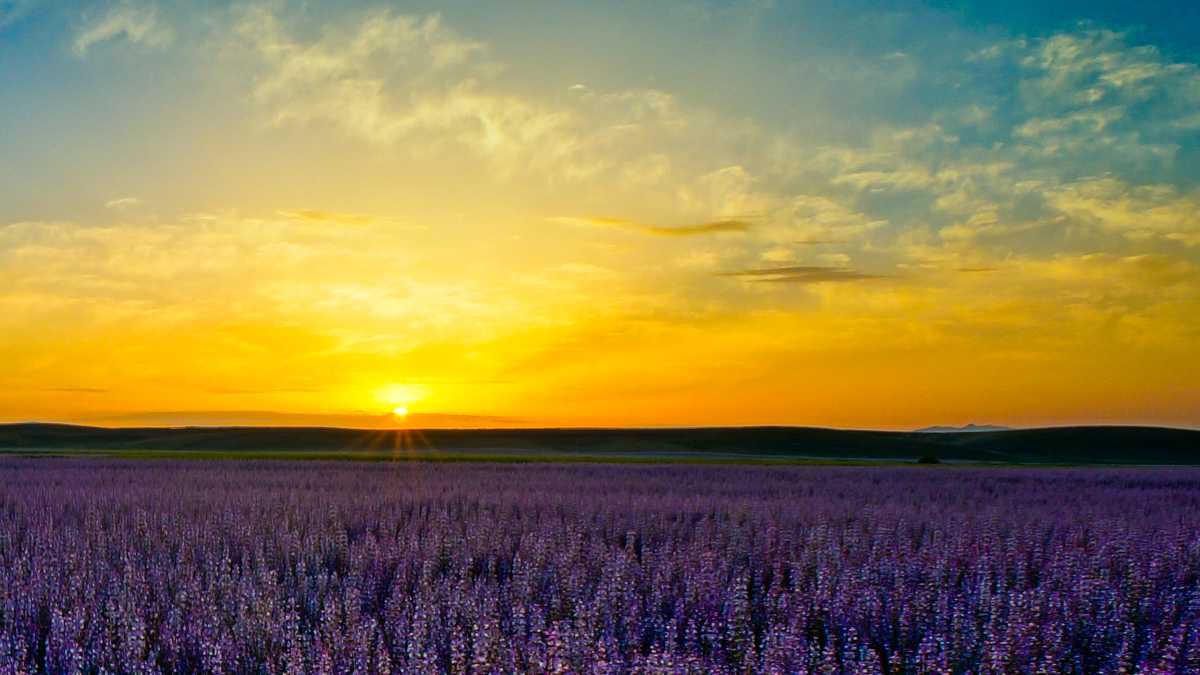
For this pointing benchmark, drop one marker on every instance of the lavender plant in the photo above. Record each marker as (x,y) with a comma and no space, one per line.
(264,567)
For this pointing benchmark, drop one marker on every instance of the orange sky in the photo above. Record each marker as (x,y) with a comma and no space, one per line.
(269,214)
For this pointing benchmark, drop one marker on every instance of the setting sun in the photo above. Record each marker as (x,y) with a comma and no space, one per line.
(400,411)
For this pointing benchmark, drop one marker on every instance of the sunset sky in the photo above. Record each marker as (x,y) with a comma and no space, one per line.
(680,212)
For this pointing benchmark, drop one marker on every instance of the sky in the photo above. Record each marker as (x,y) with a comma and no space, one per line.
(685,212)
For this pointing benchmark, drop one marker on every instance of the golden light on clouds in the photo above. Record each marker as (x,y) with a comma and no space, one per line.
(401,395)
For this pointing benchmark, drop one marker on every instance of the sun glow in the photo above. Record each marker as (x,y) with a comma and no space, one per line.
(399,399)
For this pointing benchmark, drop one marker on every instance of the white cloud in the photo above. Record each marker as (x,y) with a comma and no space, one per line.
(1086,82)
(1087,66)
(391,78)
(138,24)
(1138,212)
(1083,121)
(122,203)
(413,82)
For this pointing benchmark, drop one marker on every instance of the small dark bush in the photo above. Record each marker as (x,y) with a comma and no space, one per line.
(928,459)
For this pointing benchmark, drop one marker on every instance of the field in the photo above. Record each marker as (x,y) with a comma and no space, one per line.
(246,566)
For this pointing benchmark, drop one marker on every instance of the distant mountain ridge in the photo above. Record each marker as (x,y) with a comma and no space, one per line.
(966,428)
(1053,445)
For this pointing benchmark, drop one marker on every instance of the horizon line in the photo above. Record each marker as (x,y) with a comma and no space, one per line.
(934,428)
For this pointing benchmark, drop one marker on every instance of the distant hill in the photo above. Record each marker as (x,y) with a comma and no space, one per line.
(969,427)
(1068,445)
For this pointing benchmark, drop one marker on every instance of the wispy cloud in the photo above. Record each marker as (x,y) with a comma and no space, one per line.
(138,24)
(122,203)
(328,217)
(1138,212)
(394,78)
(800,274)
(710,227)
(413,81)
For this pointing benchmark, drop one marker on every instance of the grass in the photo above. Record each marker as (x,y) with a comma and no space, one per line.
(1055,446)
(448,456)
(531,457)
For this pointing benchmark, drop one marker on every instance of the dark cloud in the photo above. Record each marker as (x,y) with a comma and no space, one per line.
(700,228)
(77,390)
(976,269)
(800,274)
(710,227)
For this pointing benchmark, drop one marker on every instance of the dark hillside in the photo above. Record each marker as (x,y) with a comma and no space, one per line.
(1071,445)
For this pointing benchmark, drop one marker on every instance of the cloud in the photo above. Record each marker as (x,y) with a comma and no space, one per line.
(1137,212)
(413,82)
(778,254)
(823,219)
(1081,122)
(1186,238)
(122,203)
(711,227)
(328,217)
(138,24)
(1092,91)
(800,274)
(391,78)
(1072,101)
(699,228)
(1089,66)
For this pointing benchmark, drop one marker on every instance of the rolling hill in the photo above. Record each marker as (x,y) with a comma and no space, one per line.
(1065,445)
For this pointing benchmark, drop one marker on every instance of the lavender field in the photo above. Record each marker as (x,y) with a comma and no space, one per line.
(249,567)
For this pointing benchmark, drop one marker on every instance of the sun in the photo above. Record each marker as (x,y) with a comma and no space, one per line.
(400,411)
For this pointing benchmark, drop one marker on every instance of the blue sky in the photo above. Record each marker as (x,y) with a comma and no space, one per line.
(827,70)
